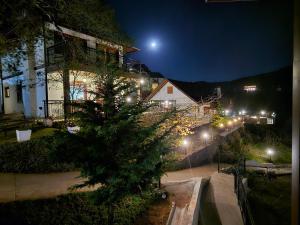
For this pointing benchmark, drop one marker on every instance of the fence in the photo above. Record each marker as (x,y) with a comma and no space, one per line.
(242,195)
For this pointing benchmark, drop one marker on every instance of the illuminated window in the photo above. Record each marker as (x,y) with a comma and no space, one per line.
(170,89)
(250,88)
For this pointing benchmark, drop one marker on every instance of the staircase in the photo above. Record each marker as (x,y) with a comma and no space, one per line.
(12,121)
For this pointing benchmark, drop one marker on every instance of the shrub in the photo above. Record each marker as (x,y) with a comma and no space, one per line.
(73,209)
(32,156)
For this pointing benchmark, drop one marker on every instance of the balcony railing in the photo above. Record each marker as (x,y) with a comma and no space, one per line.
(55,108)
(62,53)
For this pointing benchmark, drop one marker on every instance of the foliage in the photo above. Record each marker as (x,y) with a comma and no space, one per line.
(251,143)
(73,209)
(22,21)
(120,152)
(218,119)
(32,156)
(270,199)
(233,148)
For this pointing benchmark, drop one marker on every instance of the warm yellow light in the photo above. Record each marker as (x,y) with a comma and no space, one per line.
(205,135)
(128,99)
(221,125)
(185,142)
(229,122)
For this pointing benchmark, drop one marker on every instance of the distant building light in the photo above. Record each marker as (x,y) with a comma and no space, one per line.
(250,88)
(263,112)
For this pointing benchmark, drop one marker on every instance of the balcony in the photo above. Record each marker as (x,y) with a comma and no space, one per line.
(86,58)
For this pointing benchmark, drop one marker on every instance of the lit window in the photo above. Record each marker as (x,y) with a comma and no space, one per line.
(170,89)
(250,88)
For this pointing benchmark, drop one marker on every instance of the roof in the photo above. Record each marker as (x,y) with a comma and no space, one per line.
(195,90)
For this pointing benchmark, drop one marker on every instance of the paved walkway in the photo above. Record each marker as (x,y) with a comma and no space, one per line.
(34,186)
(201,171)
(225,199)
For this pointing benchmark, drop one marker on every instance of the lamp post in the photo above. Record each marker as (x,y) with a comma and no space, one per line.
(205,137)
(270,152)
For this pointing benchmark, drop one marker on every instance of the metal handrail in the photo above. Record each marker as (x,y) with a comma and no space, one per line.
(242,195)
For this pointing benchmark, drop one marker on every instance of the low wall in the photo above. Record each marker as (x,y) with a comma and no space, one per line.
(204,155)
(193,211)
(189,214)
(15,186)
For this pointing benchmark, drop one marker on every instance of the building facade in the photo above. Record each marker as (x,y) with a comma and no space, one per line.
(38,83)
(182,95)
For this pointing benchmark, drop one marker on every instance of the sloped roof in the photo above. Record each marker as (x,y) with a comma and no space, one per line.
(195,90)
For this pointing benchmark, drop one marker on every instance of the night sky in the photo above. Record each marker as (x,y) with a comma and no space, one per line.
(211,42)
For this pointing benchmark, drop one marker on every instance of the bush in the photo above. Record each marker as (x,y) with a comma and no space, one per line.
(73,209)
(34,156)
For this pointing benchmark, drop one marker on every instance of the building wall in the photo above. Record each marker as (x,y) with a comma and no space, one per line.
(181,99)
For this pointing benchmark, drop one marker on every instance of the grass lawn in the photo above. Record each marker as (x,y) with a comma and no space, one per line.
(283,154)
(37,133)
(270,200)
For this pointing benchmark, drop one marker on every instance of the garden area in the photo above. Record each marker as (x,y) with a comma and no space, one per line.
(253,143)
(74,209)
(270,200)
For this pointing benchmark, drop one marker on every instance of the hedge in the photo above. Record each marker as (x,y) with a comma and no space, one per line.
(73,209)
(34,156)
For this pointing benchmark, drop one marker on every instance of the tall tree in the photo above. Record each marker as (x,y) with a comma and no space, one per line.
(22,21)
(120,152)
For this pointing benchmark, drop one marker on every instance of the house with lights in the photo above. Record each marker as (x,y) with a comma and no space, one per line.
(195,97)
(40,83)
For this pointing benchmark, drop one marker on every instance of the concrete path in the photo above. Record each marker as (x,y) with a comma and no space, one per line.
(34,186)
(201,171)
(225,199)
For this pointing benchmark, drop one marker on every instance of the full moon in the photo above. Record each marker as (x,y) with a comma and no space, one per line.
(153,44)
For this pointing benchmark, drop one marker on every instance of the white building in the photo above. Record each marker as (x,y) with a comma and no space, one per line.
(184,95)
(33,89)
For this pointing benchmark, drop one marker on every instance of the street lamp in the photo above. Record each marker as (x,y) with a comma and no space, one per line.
(263,112)
(205,137)
(270,152)
(185,142)
(142,81)
(221,125)
(128,99)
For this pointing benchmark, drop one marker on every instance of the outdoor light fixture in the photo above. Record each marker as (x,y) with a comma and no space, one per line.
(84,80)
(235,120)
(142,81)
(227,111)
(270,152)
(205,135)
(185,142)
(229,122)
(263,112)
(128,99)
(221,125)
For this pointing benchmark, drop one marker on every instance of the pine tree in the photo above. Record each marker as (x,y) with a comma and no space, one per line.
(120,153)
